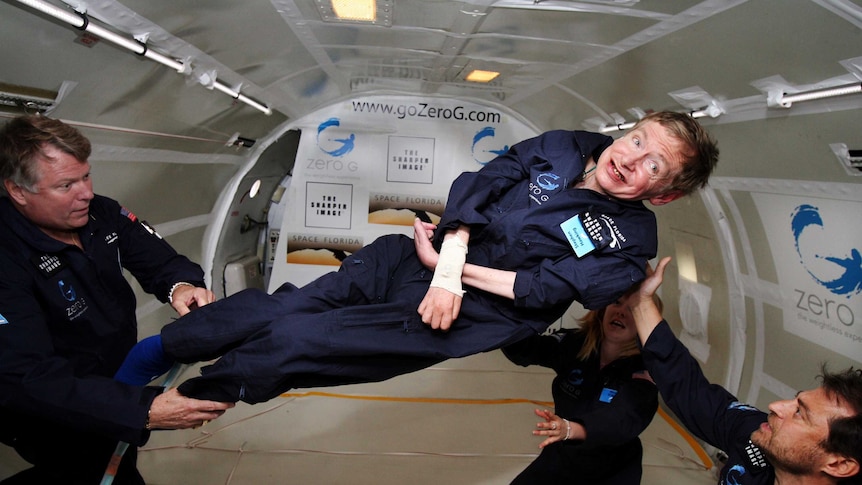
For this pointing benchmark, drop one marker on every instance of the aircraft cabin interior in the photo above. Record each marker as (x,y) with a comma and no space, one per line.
(268,140)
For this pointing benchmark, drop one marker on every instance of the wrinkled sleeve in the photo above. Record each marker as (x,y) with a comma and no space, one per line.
(543,350)
(594,281)
(472,192)
(150,259)
(709,411)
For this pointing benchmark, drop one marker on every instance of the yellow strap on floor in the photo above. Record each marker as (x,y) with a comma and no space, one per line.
(701,453)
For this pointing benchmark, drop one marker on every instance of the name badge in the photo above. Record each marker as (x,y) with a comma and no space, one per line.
(607,395)
(578,238)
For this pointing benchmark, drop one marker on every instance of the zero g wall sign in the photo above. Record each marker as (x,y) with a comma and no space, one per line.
(370,166)
(816,244)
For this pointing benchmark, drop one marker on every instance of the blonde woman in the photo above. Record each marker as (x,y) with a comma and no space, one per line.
(603,400)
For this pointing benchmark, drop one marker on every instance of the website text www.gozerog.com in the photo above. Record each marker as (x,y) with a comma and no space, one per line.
(426,110)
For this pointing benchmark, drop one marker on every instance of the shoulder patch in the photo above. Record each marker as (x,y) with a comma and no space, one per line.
(127,213)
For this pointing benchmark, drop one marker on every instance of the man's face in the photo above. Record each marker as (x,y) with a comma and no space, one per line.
(641,165)
(64,191)
(795,428)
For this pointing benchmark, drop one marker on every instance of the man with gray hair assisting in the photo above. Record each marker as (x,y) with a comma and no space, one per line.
(67,312)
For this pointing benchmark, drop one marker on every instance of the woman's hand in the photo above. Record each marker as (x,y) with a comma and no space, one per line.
(556,428)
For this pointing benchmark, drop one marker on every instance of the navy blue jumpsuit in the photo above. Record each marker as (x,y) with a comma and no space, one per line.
(614,404)
(360,324)
(707,410)
(67,320)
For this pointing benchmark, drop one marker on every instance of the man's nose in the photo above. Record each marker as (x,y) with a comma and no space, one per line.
(780,408)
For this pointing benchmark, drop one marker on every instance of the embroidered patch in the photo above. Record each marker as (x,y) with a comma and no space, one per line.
(755,456)
(127,213)
(607,395)
(48,264)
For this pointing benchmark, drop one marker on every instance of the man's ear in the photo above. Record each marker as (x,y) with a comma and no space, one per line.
(663,199)
(14,190)
(840,466)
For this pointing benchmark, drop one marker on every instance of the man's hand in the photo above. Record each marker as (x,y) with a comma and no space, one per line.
(640,301)
(186,298)
(649,286)
(422,234)
(440,308)
(172,410)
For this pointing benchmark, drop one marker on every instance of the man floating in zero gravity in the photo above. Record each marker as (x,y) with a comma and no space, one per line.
(557,218)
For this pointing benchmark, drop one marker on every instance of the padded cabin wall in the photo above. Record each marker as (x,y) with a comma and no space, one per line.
(769,169)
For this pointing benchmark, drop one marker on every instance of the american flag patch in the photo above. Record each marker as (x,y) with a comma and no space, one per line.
(128,213)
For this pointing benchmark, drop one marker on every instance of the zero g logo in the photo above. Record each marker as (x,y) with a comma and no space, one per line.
(839,274)
(336,147)
(545,182)
(485,148)
(548,181)
(67,291)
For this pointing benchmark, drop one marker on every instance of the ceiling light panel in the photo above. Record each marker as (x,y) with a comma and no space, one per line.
(374,12)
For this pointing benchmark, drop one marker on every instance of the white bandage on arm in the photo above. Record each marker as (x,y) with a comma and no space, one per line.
(450,265)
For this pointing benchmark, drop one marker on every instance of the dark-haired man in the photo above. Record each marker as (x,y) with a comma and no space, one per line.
(814,438)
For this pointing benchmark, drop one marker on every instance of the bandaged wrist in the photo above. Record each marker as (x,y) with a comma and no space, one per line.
(450,265)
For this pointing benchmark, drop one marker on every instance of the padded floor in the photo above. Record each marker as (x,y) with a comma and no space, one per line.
(466,421)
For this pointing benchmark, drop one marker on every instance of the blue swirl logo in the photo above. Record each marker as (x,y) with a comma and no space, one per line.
(576,378)
(548,181)
(67,291)
(484,147)
(847,267)
(734,474)
(336,147)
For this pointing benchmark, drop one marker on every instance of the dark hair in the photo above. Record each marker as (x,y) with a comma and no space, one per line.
(845,434)
(23,140)
(701,156)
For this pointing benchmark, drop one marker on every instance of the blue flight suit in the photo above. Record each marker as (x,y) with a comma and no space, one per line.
(67,321)
(614,404)
(360,324)
(707,410)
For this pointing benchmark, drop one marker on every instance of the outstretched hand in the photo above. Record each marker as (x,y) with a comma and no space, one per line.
(641,301)
(172,410)
(556,428)
(654,278)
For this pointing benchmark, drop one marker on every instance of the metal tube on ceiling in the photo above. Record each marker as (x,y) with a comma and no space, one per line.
(82,22)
